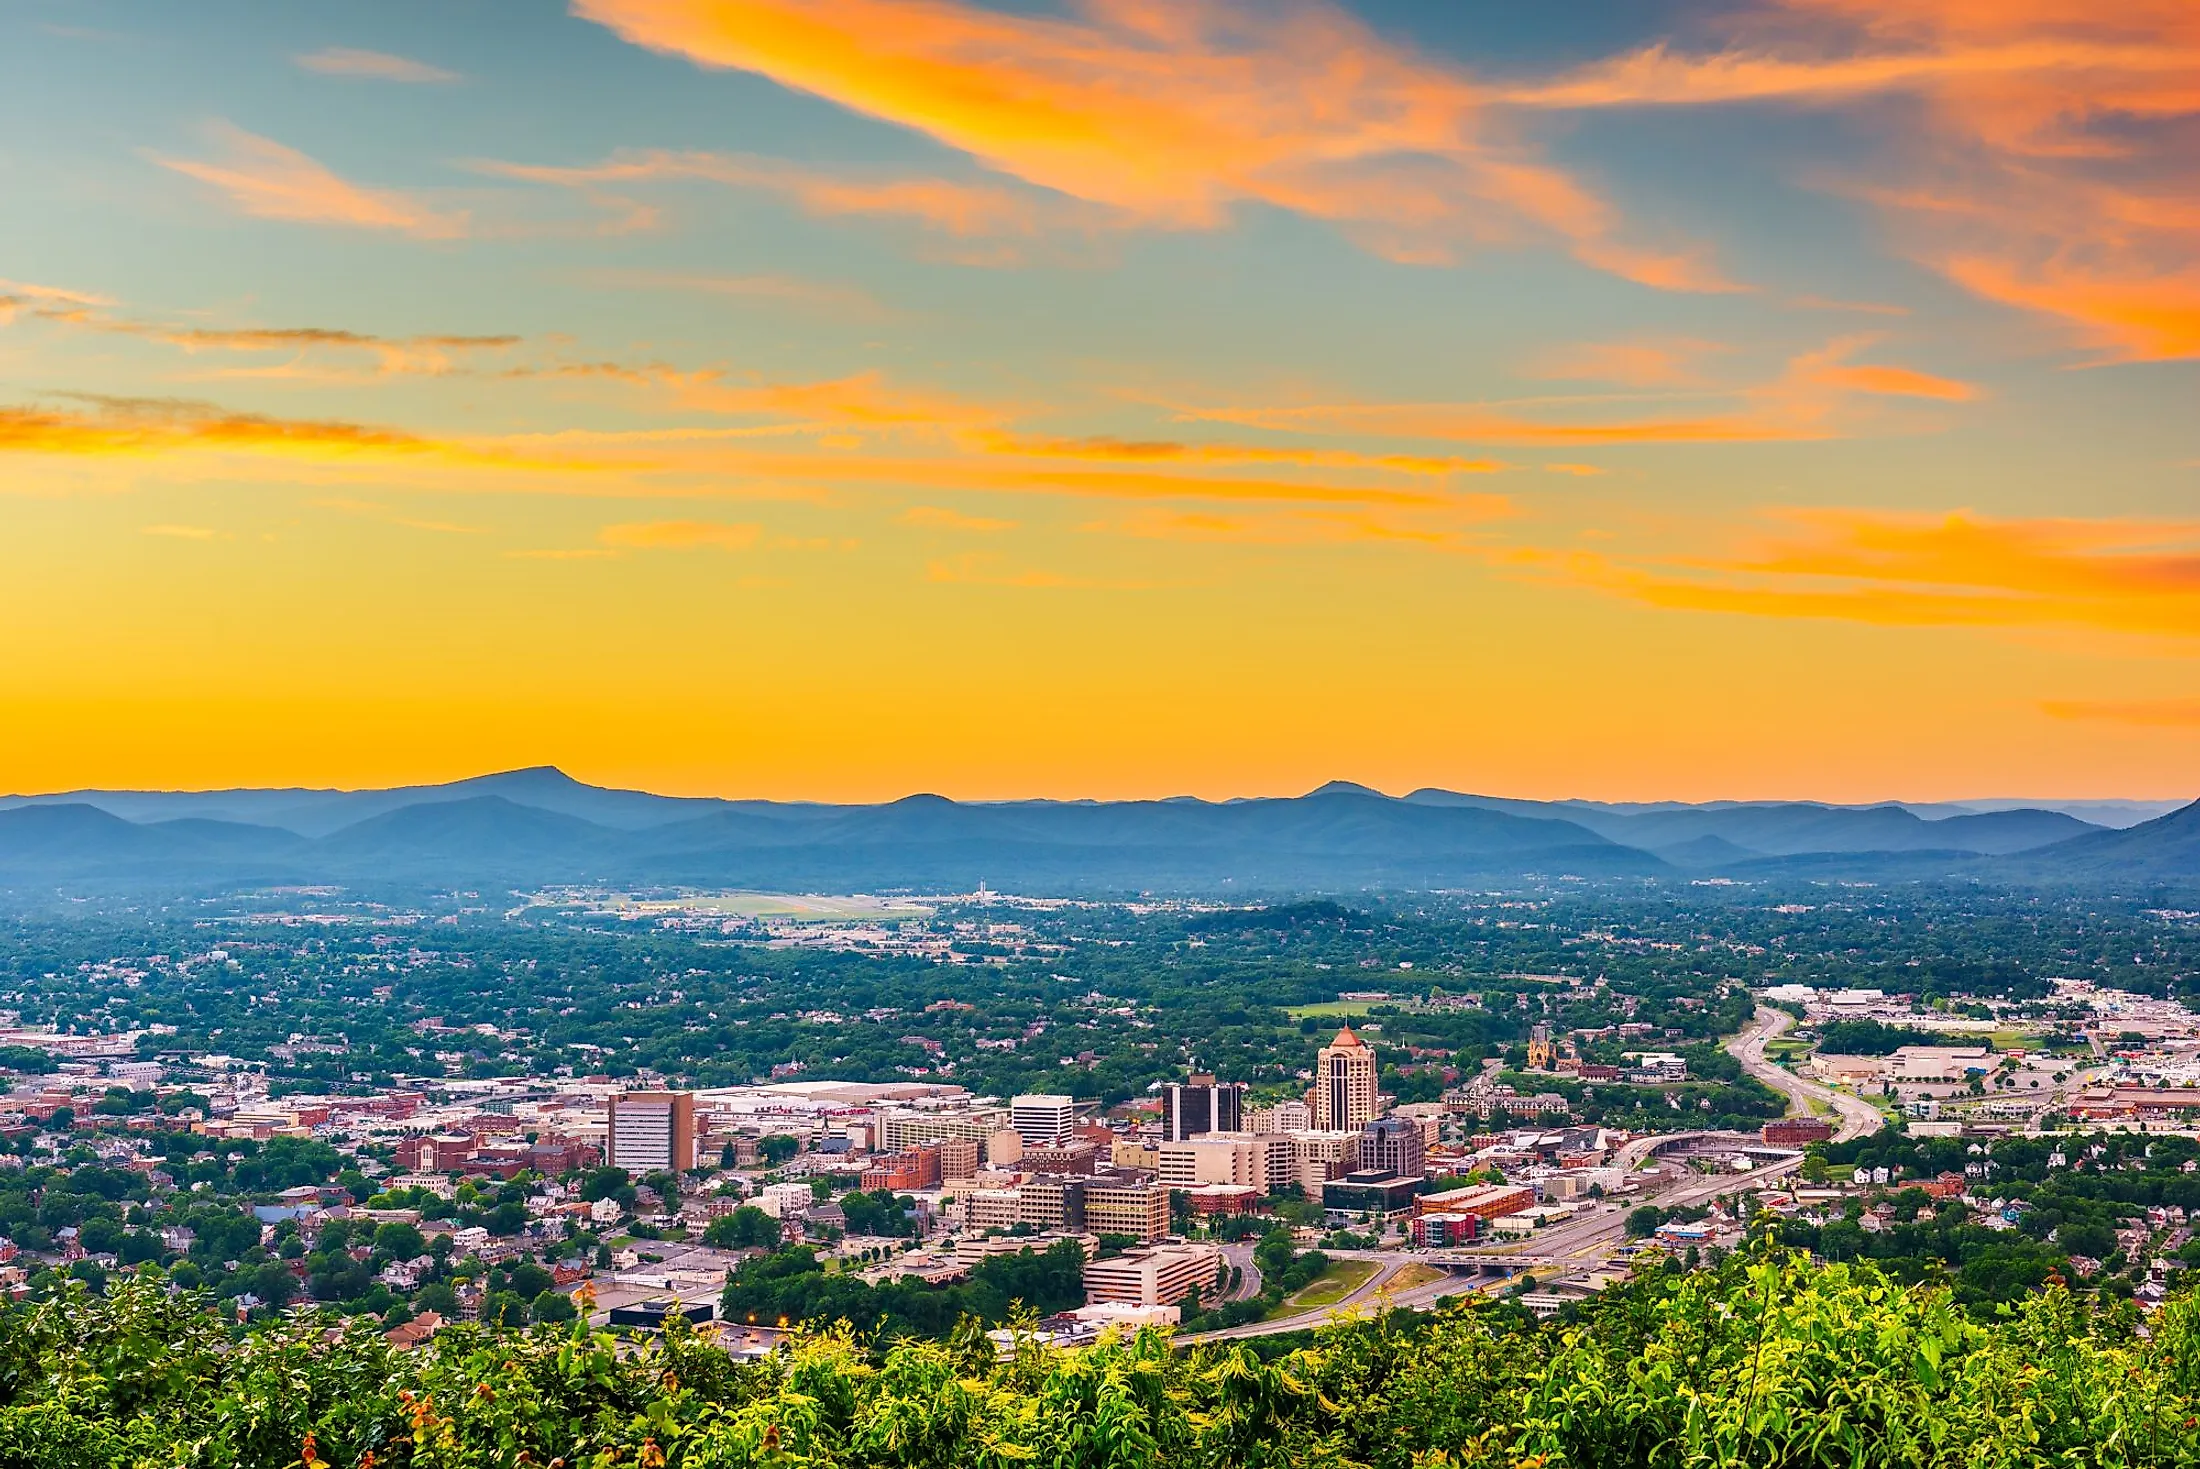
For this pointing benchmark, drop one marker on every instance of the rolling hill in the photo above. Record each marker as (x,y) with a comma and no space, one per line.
(527,827)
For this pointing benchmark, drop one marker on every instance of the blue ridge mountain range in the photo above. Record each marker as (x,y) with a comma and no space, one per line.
(541,826)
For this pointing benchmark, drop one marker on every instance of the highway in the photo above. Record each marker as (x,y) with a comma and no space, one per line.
(1577,1246)
(1562,1251)
(1859,1118)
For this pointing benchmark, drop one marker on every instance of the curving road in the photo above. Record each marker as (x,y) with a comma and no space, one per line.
(1859,1118)
(1577,1246)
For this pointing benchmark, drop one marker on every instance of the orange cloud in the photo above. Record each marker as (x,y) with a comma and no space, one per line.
(1810,400)
(1894,382)
(1656,363)
(984,569)
(853,300)
(1959,569)
(957,208)
(861,400)
(2127,312)
(1174,113)
(347,61)
(269,181)
(430,355)
(1301,527)
(935,517)
(679,535)
(2049,155)
(20,291)
(147,427)
(2154,713)
(1157,451)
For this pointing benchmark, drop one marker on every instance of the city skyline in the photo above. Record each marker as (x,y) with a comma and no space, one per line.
(1100,399)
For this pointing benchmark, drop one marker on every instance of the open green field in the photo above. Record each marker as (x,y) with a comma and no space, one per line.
(1786,1048)
(1335,1009)
(1341,1279)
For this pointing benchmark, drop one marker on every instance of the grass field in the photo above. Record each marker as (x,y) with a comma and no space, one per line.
(1334,1009)
(1341,1279)
(1414,1275)
(1784,1048)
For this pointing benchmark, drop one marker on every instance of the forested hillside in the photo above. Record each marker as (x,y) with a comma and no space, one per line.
(1771,1361)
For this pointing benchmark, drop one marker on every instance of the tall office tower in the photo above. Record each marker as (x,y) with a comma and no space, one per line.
(651,1130)
(1200,1105)
(1395,1145)
(1344,1084)
(1042,1121)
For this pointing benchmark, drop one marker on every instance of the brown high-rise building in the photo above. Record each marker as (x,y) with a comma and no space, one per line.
(651,1130)
(1344,1084)
(959,1157)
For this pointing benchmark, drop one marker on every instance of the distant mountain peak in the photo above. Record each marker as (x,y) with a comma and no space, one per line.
(1346,788)
(528,775)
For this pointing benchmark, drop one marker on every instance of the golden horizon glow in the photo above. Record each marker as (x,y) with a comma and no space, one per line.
(838,399)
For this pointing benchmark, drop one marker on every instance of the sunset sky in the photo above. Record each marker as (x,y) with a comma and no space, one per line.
(841,398)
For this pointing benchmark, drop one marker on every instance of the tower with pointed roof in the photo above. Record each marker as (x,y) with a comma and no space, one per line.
(1344,1084)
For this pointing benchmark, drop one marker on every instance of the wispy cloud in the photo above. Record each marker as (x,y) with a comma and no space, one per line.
(2149,713)
(26,290)
(936,517)
(991,222)
(1955,570)
(349,61)
(147,427)
(1814,397)
(1108,449)
(1310,526)
(308,349)
(864,400)
(1172,115)
(1655,362)
(986,569)
(830,296)
(181,532)
(680,535)
(267,180)
(2047,160)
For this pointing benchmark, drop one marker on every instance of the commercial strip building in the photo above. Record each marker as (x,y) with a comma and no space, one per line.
(1486,1201)
(900,1128)
(1135,1205)
(1127,1204)
(1371,1191)
(1160,1276)
(1266,1161)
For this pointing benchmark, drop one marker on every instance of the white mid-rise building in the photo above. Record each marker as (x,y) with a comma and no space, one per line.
(1292,1116)
(1042,1120)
